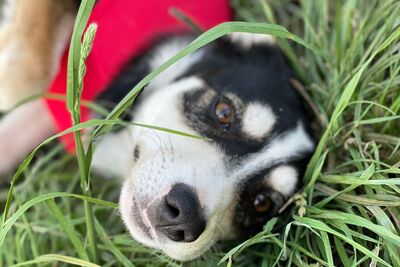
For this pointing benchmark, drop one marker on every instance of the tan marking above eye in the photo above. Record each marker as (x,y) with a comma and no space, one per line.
(258,120)
(224,111)
(261,203)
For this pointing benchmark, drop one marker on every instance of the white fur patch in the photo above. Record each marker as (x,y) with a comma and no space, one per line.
(283,179)
(247,40)
(288,145)
(258,120)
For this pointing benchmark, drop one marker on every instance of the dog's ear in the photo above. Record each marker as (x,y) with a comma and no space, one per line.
(131,75)
(243,44)
(247,40)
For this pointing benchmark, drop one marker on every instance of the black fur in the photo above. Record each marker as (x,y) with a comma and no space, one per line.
(130,76)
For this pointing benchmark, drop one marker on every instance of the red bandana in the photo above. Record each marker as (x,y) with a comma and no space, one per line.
(125,28)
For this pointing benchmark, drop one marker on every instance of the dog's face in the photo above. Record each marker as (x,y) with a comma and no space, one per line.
(182,194)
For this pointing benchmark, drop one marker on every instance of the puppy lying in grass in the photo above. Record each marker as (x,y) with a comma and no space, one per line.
(181,194)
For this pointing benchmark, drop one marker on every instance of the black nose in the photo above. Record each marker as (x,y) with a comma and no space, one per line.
(180,216)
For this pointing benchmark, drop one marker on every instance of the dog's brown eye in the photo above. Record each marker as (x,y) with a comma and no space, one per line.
(224,111)
(261,203)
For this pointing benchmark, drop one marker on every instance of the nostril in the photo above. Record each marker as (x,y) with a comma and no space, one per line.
(180,235)
(177,236)
(172,209)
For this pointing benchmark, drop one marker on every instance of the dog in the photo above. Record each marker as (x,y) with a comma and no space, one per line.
(182,194)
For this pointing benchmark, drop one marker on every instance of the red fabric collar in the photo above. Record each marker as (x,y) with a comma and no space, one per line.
(125,28)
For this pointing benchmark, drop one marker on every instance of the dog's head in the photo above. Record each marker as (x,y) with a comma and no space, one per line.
(182,194)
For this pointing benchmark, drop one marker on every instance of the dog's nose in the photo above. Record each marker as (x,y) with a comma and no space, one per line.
(180,216)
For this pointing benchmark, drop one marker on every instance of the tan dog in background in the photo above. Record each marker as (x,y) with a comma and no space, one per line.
(33,35)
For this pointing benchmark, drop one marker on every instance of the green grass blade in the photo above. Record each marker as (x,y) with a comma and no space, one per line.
(328,249)
(13,218)
(323,227)
(343,102)
(69,230)
(111,247)
(52,258)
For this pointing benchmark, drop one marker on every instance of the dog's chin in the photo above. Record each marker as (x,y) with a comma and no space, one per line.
(187,251)
(142,231)
(175,250)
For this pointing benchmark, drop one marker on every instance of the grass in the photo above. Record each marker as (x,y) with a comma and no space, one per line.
(347,60)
